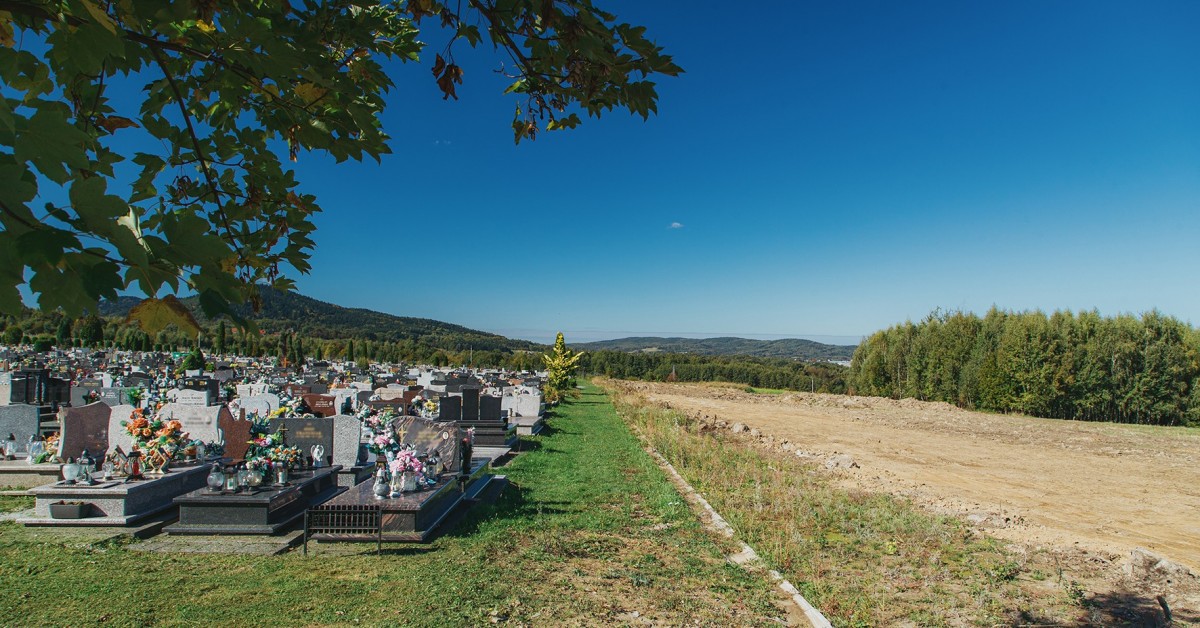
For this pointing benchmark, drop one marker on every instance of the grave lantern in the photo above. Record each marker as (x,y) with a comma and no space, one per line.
(135,465)
(86,466)
(10,447)
(70,471)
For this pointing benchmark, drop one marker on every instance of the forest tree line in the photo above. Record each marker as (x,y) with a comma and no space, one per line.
(46,330)
(1068,366)
(751,371)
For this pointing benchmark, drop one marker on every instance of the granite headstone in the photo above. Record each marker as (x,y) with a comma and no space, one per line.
(84,427)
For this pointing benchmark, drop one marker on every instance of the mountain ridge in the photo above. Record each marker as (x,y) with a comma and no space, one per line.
(791,348)
(319,319)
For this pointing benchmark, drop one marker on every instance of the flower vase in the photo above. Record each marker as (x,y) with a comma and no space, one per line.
(281,475)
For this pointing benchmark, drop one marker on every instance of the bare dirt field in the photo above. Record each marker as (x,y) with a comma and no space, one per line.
(1097,489)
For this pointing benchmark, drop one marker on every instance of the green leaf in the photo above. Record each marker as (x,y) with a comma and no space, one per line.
(97,209)
(100,16)
(50,141)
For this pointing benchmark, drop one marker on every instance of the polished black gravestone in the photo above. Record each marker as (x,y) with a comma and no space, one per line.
(266,510)
(410,517)
(305,433)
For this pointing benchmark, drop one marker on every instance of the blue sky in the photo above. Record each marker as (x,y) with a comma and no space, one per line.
(823,169)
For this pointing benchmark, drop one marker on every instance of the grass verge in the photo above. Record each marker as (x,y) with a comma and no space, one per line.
(864,559)
(590,532)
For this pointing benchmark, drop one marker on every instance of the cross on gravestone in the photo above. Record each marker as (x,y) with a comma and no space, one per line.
(84,427)
(304,433)
(426,435)
(347,441)
(80,393)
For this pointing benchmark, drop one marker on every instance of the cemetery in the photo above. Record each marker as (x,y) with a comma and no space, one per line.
(254,449)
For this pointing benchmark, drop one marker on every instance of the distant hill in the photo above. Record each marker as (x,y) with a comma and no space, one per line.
(792,348)
(318,319)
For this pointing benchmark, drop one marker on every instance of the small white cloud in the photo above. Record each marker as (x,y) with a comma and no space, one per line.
(676,225)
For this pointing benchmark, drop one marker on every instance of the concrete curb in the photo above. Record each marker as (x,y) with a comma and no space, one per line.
(747,558)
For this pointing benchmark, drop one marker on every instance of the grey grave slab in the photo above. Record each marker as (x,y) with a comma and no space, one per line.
(117,436)
(20,420)
(529,405)
(250,390)
(115,502)
(347,441)
(84,427)
(80,392)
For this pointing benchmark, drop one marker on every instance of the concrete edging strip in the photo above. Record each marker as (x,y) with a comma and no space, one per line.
(747,558)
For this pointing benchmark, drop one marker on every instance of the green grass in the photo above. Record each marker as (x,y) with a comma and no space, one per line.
(589,532)
(766,391)
(10,503)
(865,559)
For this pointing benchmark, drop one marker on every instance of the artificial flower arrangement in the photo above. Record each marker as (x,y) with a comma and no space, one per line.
(92,396)
(429,408)
(383,436)
(153,432)
(162,440)
(51,452)
(268,447)
(406,461)
(288,407)
(134,396)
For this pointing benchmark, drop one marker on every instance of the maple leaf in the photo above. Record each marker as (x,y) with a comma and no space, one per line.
(112,123)
(153,315)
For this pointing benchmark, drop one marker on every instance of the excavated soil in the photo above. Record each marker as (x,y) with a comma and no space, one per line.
(1097,489)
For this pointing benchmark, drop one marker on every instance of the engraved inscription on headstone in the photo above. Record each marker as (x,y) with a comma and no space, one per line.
(321,405)
(192,397)
(304,433)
